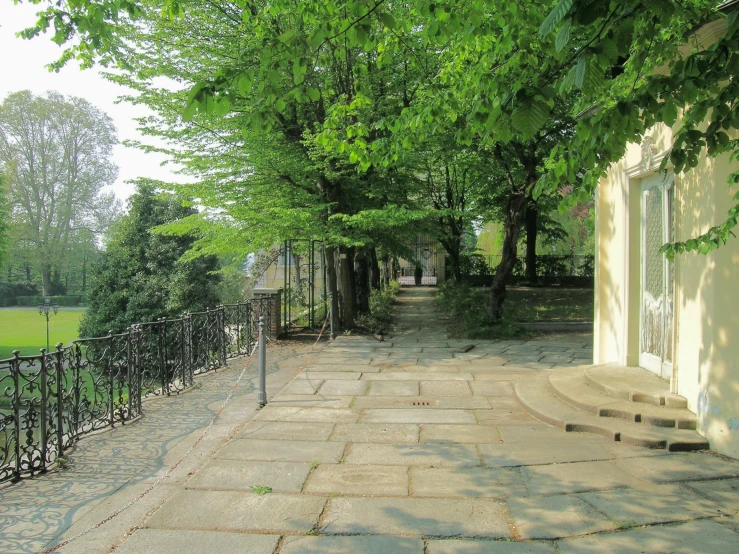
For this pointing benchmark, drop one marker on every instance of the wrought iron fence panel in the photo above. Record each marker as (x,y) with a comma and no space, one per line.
(8,426)
(147,357)
(91,382)
(204,339)
(237,331)
(48,401)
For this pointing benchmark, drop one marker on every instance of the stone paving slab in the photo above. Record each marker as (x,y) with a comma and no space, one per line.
(655,504)
(433,455)
(488,547)
(415,516)
(239,512)
(492,388)
(433,368)
(504,375)
(415,376)
(362,480)
(307,415)
(445,388)
(467,483)
(330,375)
(577,477)
(240,475)
(418,416)
(393,433)
(515,454)
(334,367)
(552,517)
(703,536)
(470,434)
(394,388)
(302,386)
(503,416)
(317,400)
(197,542)
(421,402)
(686,467)
(282,451)
(354,545)
(535,433)
(724,491)
(344,387)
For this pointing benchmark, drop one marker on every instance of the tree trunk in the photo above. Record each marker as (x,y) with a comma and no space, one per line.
(362,272)
(346,263)
(333,292)
(512,228)
(374,269)
(531,231)
(45,279)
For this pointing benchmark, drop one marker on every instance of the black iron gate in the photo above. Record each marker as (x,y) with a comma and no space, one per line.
(423,268)
(305,292)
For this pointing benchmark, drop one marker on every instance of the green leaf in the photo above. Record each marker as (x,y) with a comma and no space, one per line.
(669,113)
(529,115)
(555,16)
(313,93)
(563,36)
(580,71)
(222,107)
(387,20)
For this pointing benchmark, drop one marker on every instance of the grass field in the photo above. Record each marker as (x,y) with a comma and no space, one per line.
(25,330)
(548,304)
(466,309)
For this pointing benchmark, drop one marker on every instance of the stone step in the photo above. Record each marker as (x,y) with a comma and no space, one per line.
(634,384)
(537,398)
(571,386)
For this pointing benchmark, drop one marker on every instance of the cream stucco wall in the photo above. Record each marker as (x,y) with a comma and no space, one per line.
(706,358)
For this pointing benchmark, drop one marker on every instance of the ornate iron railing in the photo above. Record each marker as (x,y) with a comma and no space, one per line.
(48,401)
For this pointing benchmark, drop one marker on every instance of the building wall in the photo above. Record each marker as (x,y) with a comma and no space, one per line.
(706,334)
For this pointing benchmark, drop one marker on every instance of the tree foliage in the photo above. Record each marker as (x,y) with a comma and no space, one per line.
(55,152)
(308,118)
(141,276)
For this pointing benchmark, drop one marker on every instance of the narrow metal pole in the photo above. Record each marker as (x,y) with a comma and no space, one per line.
(262,365)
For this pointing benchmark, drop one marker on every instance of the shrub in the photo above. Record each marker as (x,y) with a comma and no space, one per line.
(466,307)
(381,304)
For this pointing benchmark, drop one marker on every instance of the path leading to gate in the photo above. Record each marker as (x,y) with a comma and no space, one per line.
(414,445)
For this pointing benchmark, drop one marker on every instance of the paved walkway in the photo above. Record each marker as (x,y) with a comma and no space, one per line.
(106,468)
(412,445)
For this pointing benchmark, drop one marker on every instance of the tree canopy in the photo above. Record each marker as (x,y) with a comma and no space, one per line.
(55,153)
(314,118)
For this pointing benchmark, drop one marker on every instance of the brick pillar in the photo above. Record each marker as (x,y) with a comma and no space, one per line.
(276,308)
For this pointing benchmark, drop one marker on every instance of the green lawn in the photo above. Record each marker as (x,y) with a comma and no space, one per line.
(25,330)
(548,304)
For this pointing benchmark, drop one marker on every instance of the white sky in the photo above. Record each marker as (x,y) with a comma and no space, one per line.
(22,66)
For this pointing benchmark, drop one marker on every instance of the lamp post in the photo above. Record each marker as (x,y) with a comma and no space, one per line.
(44,309)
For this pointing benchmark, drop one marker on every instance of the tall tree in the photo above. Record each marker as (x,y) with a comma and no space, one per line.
(56,155)
(4,221)
(142,276)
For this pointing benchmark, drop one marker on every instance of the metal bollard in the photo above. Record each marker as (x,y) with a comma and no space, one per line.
(262,365)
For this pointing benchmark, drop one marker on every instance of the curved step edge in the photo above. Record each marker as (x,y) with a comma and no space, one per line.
(572,387)
(540,402)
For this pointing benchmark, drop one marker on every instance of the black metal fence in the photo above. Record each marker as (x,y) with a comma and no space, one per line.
(48,401)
